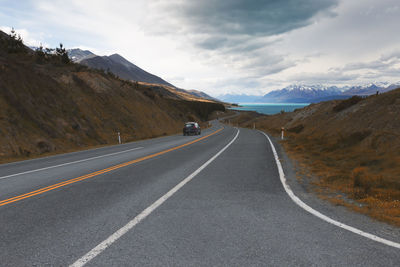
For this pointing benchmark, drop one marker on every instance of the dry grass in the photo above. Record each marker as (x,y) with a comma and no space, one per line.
(51,108)
(352,151)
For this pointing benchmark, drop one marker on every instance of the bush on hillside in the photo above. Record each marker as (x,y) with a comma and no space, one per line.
(347,103)
(12,43)
(296,129)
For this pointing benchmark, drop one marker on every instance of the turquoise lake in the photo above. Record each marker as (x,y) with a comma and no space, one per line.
(270,108)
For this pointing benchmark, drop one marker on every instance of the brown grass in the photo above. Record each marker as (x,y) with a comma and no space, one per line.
(48,108)
(352,152)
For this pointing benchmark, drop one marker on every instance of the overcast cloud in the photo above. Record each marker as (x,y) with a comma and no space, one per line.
(236,46)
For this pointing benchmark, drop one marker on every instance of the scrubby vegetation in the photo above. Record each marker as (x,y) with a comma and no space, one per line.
(349,149)
(347,103)
(50,105)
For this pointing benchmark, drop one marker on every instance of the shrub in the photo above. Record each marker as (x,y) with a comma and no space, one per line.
(79,67)
(353,138)
(357,175)
(62,53)
(362,182)
(296,129)
(347,103)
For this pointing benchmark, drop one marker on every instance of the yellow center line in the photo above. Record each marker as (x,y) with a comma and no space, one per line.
(93,174)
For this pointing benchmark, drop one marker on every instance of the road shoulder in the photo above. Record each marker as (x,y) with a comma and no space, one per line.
(303,189)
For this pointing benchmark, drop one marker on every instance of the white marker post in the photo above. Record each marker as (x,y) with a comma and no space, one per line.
(119,137)
(283,133)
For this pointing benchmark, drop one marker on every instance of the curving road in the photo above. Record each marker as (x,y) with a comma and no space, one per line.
(211,200)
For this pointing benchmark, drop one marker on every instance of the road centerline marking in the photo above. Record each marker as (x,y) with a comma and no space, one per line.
(93,174)
(69,163)
(122,231)
(318,214)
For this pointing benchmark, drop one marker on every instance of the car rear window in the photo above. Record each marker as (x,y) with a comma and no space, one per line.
(189,125)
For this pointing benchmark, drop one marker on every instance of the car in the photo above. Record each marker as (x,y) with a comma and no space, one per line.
(191,128)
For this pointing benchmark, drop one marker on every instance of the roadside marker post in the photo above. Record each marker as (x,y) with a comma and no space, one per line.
(119,137)
(283,133)
(254,126)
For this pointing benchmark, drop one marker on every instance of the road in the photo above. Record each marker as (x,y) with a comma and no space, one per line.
(100,207)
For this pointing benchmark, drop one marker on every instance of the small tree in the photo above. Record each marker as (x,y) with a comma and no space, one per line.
(40,54)
(15,43)
(13,34)
(63,54)
(49,51)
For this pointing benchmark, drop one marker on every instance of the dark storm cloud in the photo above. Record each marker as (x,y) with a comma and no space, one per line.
(242,31)
(212,43)
(251,17)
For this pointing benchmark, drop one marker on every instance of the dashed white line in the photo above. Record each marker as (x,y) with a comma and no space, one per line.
(68,163)
(317,213)
(119,233)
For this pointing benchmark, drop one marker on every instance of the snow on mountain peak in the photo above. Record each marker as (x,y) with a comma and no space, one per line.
(304,87)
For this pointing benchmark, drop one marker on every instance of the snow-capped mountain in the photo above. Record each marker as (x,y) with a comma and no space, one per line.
(298,93)
(371,88)
(78,55)
(393,86)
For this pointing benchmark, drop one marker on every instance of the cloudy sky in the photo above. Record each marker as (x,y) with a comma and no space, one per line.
(226,46)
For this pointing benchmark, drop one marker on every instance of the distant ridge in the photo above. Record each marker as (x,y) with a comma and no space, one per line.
(298,93)
(115,64)
(77,54)
(123,68)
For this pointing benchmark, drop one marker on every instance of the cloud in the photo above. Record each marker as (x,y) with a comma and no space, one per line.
(387,66)
(238,33)
(248,46)
(392,55)
(27,37)
(253,18)
(332,77)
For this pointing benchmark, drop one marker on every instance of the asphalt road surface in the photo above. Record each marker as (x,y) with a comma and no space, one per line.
(99,208)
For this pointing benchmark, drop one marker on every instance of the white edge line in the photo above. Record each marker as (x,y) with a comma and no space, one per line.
(68,163)
(119,233)
(317,213)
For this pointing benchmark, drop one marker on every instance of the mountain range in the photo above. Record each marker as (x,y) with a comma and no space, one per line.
(298,93)
(124,69)
(116,64)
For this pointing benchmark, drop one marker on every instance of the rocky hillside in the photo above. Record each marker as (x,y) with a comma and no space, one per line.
(50,106)
(351,147)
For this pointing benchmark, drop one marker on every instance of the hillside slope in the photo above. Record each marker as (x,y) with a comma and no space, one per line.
(122,68)
(351,146)
(48,107)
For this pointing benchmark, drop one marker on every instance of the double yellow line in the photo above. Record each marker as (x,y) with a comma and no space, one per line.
(93,174)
